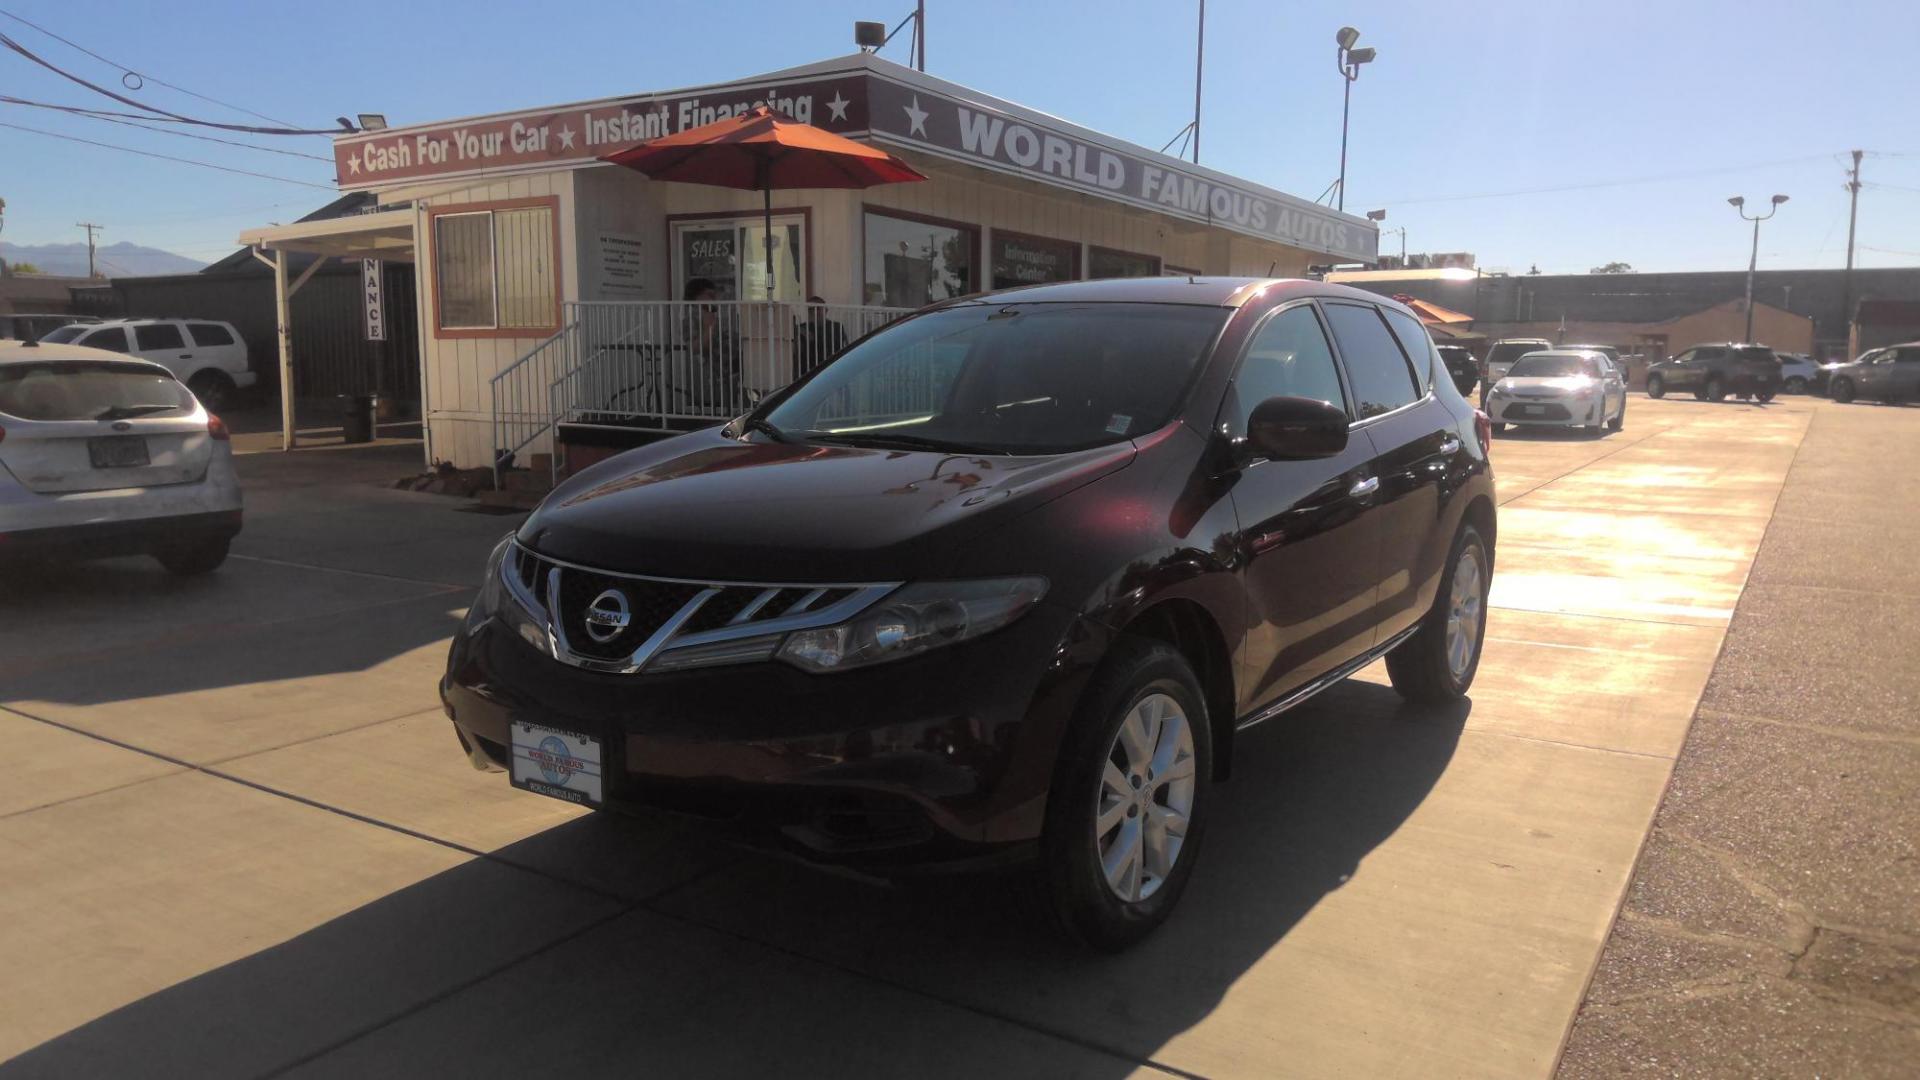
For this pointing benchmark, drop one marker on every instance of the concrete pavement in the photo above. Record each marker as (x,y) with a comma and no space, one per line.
(248,844)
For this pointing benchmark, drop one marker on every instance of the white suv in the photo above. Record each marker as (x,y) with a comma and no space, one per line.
(208,356)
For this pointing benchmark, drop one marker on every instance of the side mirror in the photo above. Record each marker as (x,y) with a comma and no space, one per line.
(1296,429)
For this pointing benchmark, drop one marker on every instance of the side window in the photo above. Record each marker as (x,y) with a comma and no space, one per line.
(160,335)
(1682,358)
(1709,355)
(206,333)
(1381,381)
(1908,356)
(1288,356)
(1417,344)
(112,338)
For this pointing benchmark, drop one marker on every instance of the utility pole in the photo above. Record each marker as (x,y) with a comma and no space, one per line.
(1199,65)
(920,35)
(1853,214)
(90,227)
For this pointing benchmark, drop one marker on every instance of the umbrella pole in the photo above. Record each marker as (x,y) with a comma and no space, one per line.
(767,240)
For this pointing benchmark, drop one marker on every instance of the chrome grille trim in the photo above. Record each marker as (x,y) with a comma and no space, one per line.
(545,608)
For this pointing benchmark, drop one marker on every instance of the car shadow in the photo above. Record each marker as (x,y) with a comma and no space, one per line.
(762,965)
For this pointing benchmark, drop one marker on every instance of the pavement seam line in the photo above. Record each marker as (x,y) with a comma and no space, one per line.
(1673,767)
(86,794)
(441,585)
(1570,745)
(1628,445)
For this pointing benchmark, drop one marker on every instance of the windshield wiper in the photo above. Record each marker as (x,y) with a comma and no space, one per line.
(127,412)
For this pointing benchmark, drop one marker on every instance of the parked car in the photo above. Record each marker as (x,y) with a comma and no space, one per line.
(1560,388)
(1714,371)
(208,356)
(1798,373)
(1461,367)
(103,454)
(1502,355)
(1886,374)
(26,326)
(1005,578)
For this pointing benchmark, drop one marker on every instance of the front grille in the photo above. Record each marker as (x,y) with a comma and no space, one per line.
(1537,411)
(729,610)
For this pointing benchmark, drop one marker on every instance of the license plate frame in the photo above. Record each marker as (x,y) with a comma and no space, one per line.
(560,764)
(118,452)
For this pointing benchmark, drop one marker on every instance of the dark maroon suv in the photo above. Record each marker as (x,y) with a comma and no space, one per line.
(1004,580)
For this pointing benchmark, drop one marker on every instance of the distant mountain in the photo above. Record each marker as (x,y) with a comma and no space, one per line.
(114,260)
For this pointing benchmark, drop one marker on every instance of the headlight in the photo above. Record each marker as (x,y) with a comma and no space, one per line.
(913,620)
(488,598)
(496,600)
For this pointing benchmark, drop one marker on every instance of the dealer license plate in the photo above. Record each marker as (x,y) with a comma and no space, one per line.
(563,764)
(1534,410)
(118,451)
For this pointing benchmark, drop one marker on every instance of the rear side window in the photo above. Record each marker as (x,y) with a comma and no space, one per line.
(1287,357)
(1910,355)
(1708,353)
(1417,344)
(1381,381)
(112,339)
(206,333)
(158,336)
(63,334)
(82,390)
(1754,354)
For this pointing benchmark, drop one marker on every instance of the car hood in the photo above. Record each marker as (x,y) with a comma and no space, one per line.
(711,507)
(1542,385)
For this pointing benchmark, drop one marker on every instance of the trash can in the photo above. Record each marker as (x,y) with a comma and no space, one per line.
(356,417)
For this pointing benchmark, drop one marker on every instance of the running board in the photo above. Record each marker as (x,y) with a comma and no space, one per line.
(1338,674)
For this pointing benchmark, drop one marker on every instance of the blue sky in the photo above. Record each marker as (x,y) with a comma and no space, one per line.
(1698,99)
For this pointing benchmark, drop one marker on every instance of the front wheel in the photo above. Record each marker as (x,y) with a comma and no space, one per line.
(1499,428)
(1763,396)
(1656,387)
(1716,390)
(1128,807)
(1843,390)
(1619,419)
(1438,662)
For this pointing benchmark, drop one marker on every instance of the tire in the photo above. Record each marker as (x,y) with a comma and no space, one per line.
(1419,667)
(1656,387)
(214,389)
(1763,396)
(1620,419)
(1843,390)
(1796,385)
(1499,428)
(1716,390)
(1139,674)
(192,560)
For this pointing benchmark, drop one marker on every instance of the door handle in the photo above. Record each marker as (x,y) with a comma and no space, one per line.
(186,356)
(1365,487)
(1451,446)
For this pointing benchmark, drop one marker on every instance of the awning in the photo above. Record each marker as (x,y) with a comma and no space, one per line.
(385,235)
(1431,313)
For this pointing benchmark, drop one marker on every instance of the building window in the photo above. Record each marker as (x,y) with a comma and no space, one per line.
(494,269)
(1019,259)
(728,252)
(912,262)
(1108,263)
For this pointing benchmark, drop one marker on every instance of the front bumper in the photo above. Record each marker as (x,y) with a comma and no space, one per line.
(941,758)
(1550,412)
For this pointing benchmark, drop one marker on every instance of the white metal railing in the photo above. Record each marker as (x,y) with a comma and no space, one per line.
(666,365)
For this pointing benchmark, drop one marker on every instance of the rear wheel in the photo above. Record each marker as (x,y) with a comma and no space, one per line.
(1656,387)
(1763,396)
(1438,662)
(1716,390)
(1127,811)
(192,560)
(1843,390)
(213,388)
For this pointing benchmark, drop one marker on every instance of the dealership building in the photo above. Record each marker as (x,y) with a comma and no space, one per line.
(548,282)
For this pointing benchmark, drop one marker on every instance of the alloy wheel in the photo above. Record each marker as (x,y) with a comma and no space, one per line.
(1145,798)
(1463,611)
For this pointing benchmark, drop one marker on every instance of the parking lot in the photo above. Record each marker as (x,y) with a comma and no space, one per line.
(238,837)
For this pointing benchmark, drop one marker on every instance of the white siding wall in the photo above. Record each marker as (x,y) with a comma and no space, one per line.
(456,371)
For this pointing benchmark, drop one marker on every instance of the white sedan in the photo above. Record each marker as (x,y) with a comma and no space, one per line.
(102,454)
(1560,388)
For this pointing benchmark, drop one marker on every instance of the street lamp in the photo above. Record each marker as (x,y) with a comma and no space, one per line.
(1739,203)
(1349,61)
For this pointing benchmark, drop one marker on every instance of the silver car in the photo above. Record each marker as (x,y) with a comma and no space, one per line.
(1560,388)
(1891,373)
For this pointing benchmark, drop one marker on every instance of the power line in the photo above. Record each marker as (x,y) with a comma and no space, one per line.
(125,100)
(125,119)
(1605,183)
(127,73)
(166,157)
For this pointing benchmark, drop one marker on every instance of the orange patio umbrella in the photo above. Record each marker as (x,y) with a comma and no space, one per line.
(1432,313)
(760,150)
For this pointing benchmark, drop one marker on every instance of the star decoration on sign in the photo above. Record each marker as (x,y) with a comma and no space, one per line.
(353,164)
(838,107)
(916,118)
(566,138)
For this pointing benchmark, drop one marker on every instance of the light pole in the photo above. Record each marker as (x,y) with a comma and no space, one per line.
(1739,202)
(1349,61)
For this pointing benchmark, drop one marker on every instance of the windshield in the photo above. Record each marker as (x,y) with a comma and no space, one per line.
(63,334)
(84,390)
(1549,367)
(1006,378)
